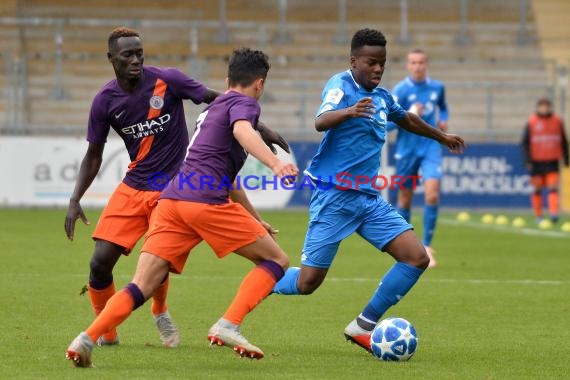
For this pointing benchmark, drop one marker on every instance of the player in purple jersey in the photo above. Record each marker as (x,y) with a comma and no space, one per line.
(186,214)
(144,106)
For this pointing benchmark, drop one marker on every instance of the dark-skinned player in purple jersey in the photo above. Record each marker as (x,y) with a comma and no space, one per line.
(144,105)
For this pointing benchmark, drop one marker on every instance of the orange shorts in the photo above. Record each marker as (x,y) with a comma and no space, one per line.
(550,180)
(126,217)
(178,226)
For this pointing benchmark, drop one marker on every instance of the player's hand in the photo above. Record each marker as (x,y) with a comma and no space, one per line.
(363,108)
(74,212)
(443,126)
(271,137)
(454,142)
(272,231)
(287,171)
(417,109)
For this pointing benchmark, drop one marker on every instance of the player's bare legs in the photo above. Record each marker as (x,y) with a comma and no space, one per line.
(407,248)
(101,286)
(101,289)
(411,259)
(271,262)
(149,274)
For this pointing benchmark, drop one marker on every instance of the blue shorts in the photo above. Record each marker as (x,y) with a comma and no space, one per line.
(429,166)
(335,214)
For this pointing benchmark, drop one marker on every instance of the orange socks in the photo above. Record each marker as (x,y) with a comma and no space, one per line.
(553,202)
(256,285)
(536,203)
(99,298)
(118,308)
(159,298)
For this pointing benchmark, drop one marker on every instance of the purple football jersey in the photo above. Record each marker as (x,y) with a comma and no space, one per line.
(150,121)
(214,156)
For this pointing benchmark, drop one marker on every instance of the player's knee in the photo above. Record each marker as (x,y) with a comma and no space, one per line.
(423,260)
(419,260)
(102,264)
(99,267)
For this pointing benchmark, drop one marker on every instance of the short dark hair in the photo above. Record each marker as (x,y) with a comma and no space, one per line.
(370,37)
(543,100)
(417,51)
(119,32)
(246,66)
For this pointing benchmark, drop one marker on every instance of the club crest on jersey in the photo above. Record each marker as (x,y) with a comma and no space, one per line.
(156,102)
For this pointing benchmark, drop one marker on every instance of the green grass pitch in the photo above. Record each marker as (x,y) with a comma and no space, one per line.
(496,307)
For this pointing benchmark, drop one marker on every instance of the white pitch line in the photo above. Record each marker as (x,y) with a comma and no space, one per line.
(126,277)
(460,281)
(519,231)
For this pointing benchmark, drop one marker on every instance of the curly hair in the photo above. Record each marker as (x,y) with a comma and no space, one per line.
(119,32)
(246,66)
(370,37)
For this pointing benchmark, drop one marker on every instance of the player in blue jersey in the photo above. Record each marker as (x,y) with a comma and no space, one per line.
(144,105)
(425,97)
(353,116)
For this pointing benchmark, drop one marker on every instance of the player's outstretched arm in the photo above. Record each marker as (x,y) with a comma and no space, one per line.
(415,124)
(87,172)
(330,119)
(270,137)
(251,142)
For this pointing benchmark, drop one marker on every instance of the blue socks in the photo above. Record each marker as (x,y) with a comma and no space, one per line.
(393,287)
(406,213)
(430,220)
(288,283)
(395,284)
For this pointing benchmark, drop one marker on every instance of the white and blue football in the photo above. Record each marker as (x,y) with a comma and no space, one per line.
(394,339)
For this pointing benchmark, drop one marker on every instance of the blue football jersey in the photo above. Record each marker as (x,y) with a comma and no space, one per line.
(353,147)
(431,94)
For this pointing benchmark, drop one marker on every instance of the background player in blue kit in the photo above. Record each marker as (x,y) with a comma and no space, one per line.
(353,116)
(425,97)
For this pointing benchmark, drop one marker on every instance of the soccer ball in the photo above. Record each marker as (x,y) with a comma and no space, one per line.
(394,339)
